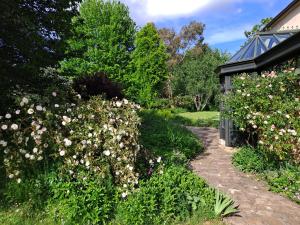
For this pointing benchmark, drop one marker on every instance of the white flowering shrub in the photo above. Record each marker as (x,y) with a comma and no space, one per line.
(81,136)
(100,133)
(268,106)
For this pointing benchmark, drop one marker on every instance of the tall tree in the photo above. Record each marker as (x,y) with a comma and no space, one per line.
(32,33)
(103,38)
(149,65)
(197,76)
(189,39)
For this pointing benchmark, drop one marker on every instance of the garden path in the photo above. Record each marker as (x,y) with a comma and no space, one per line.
(257,205)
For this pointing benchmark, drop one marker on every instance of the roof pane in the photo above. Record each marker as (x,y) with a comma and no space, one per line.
(260,43)
(283,37)
(249,54)
(269,40)
(260,49)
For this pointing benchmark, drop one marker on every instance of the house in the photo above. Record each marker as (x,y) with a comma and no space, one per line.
(278,42)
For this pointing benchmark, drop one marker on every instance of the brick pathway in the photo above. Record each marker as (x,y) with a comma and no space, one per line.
(257,205)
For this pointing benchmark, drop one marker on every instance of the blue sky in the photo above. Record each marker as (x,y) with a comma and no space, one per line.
(225,20)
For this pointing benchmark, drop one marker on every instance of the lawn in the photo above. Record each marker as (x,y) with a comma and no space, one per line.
(198,119)
(195,116)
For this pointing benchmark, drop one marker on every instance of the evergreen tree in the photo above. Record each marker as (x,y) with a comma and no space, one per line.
(149,66)
(103,38)
(32,34)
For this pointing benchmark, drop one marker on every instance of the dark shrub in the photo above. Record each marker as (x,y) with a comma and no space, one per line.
(97,84)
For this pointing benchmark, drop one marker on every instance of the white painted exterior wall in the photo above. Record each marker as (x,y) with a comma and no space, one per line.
(289,21)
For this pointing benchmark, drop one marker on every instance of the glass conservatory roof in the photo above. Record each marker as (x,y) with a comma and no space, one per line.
(258,45)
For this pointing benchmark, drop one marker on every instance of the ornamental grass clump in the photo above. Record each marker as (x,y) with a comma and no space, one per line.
(96,136)
(268,107)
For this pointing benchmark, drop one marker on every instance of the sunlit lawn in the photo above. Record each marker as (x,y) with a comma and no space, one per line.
(195,116)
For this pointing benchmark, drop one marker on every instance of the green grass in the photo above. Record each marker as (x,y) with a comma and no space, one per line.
(195,116)
(167,139)
(198,119)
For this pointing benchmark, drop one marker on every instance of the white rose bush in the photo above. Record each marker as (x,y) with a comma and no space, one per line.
(268,107)
(97,136)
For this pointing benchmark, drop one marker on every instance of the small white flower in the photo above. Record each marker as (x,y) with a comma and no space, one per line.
(265,122)
(158,159)
(35,150)
(40,158)
(62,153)
(287,116)
(3,143)
(32,157)
(11,176)
(54,94)
(19,180)
(254,126)
(30,111)
(130,168)
(106,152)
(117,173)
(118,104)
(27,155)
(125,101)
(121,145)
(39,108)
(14,126)
(261,142)
(124,195)
(90,135)
(67,142)
(270,96)
(17,111)
(248,95)
(25,100)
(8,116)
(66,119)
(4,127)
(56,105)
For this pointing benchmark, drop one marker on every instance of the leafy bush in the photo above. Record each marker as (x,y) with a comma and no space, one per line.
(89,199)
(286,181)
(170,195)
(97,84)
(281,176)
(249,159)
(268,106)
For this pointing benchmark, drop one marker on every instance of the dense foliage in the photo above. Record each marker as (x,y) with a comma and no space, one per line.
(148,65)
(268,107)
(197,76)
(33,33)
(281,177)
(172,195)
(102,40)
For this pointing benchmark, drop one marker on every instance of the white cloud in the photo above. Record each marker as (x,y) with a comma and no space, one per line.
(157,10)
(167,8)
(227,34)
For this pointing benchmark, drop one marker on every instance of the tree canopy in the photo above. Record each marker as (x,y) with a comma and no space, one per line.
(102,40)
(196,76)
(32,33)
(149,65)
